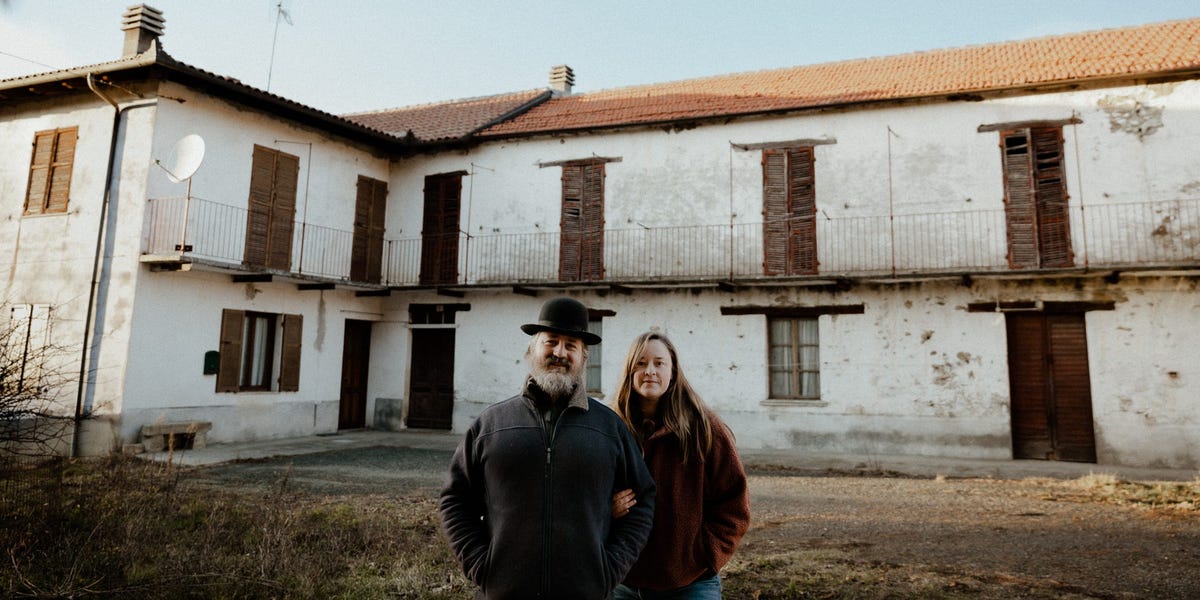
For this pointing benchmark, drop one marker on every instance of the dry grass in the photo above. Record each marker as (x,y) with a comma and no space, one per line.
(128,529)
(125,529)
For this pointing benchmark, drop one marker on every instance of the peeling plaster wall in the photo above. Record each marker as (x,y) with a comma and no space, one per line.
(916,373)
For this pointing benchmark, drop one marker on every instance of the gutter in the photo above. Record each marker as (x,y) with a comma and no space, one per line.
(98,256)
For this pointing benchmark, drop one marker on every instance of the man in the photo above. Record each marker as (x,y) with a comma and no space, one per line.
(527,504)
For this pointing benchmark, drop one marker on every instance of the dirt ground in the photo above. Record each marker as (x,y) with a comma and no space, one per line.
(1042,534)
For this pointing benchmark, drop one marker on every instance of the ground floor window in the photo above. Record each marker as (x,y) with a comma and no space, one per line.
(254,347)
(793,361)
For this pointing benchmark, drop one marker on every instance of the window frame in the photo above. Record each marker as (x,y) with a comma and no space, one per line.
(799,366)
(53,169)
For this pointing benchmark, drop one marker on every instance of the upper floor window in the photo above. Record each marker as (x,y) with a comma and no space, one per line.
(789,212)
(440,228)
(1035,198)
(271,209)
(581,245)
(50,171)
(370,208)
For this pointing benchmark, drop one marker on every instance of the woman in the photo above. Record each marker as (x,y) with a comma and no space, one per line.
(702,507)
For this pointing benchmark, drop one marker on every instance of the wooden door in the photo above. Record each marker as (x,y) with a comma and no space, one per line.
(1050,387)
(431,387)
(356,358)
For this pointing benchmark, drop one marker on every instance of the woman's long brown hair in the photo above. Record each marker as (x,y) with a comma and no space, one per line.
(682,410)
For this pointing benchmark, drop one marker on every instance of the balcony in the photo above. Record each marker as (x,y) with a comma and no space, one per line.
(1103,237)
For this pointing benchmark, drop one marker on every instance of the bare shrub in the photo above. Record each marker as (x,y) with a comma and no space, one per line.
(34,376)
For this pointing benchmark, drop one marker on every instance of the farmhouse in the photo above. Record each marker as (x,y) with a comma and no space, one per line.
(980,252)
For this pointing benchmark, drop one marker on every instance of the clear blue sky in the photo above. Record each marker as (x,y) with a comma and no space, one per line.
(353,55)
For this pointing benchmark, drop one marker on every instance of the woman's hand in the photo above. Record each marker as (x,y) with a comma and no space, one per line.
(622,501)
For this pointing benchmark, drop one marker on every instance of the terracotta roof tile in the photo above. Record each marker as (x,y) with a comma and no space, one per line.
(449,120)
(1143,50)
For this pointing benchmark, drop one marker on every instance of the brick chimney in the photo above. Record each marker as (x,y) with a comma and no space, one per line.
(142,25)
(561,80)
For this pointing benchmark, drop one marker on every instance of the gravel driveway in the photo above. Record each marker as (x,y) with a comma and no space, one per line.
(1012,529)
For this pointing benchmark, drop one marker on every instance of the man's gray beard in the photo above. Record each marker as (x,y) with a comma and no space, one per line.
(556,385)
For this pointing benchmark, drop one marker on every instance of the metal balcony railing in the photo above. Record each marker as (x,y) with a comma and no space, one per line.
(1106,236)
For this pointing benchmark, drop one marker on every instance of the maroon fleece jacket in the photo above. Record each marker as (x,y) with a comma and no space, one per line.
(701,511)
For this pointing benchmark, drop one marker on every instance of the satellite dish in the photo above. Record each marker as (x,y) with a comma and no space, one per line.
(184,159)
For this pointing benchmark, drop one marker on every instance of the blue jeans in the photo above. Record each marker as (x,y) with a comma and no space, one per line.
(705,588)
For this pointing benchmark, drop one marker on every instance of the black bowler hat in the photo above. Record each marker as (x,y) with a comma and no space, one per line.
(564,316)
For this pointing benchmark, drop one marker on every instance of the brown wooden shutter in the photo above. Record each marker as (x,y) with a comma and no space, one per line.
(367,252)
(571,224)
(258,219)
(229,373)
(1035,198)
(49,189)
(283,211)
(289,358)
(775,212)
(271,209)
(376,230)
(440,227)
(592,223)
(802,205)
(1054,240)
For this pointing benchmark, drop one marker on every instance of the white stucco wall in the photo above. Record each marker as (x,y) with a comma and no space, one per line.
(916,373)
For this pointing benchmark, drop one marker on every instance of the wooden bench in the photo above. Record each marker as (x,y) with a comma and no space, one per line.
(180,436)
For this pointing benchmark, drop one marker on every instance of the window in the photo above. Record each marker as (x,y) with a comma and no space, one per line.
(271,208)
(793,364)
(789,212)
(440,228)
(1035,198)
(581,246)
(50,171)
(366,255)
(596,326)
(25,351)
(254,346)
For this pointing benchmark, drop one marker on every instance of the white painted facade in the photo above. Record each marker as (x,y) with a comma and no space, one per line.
(915,373)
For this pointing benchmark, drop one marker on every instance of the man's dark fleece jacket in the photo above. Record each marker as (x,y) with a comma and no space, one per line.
(527,505)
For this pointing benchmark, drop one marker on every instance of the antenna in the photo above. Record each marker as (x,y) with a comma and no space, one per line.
(284,15)
(182,163)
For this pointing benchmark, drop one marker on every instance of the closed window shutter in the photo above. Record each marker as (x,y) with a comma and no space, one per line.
(1054,238)
(289,358)
(229,371)
(802,200)
(283,211)
(367,252)
(49,189)
(439,236)
(775,212)
(1035,198)
(571,224)
(1019,196)
(271,209)
(592,221)
(258,219)
(375,231)
(581,243)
